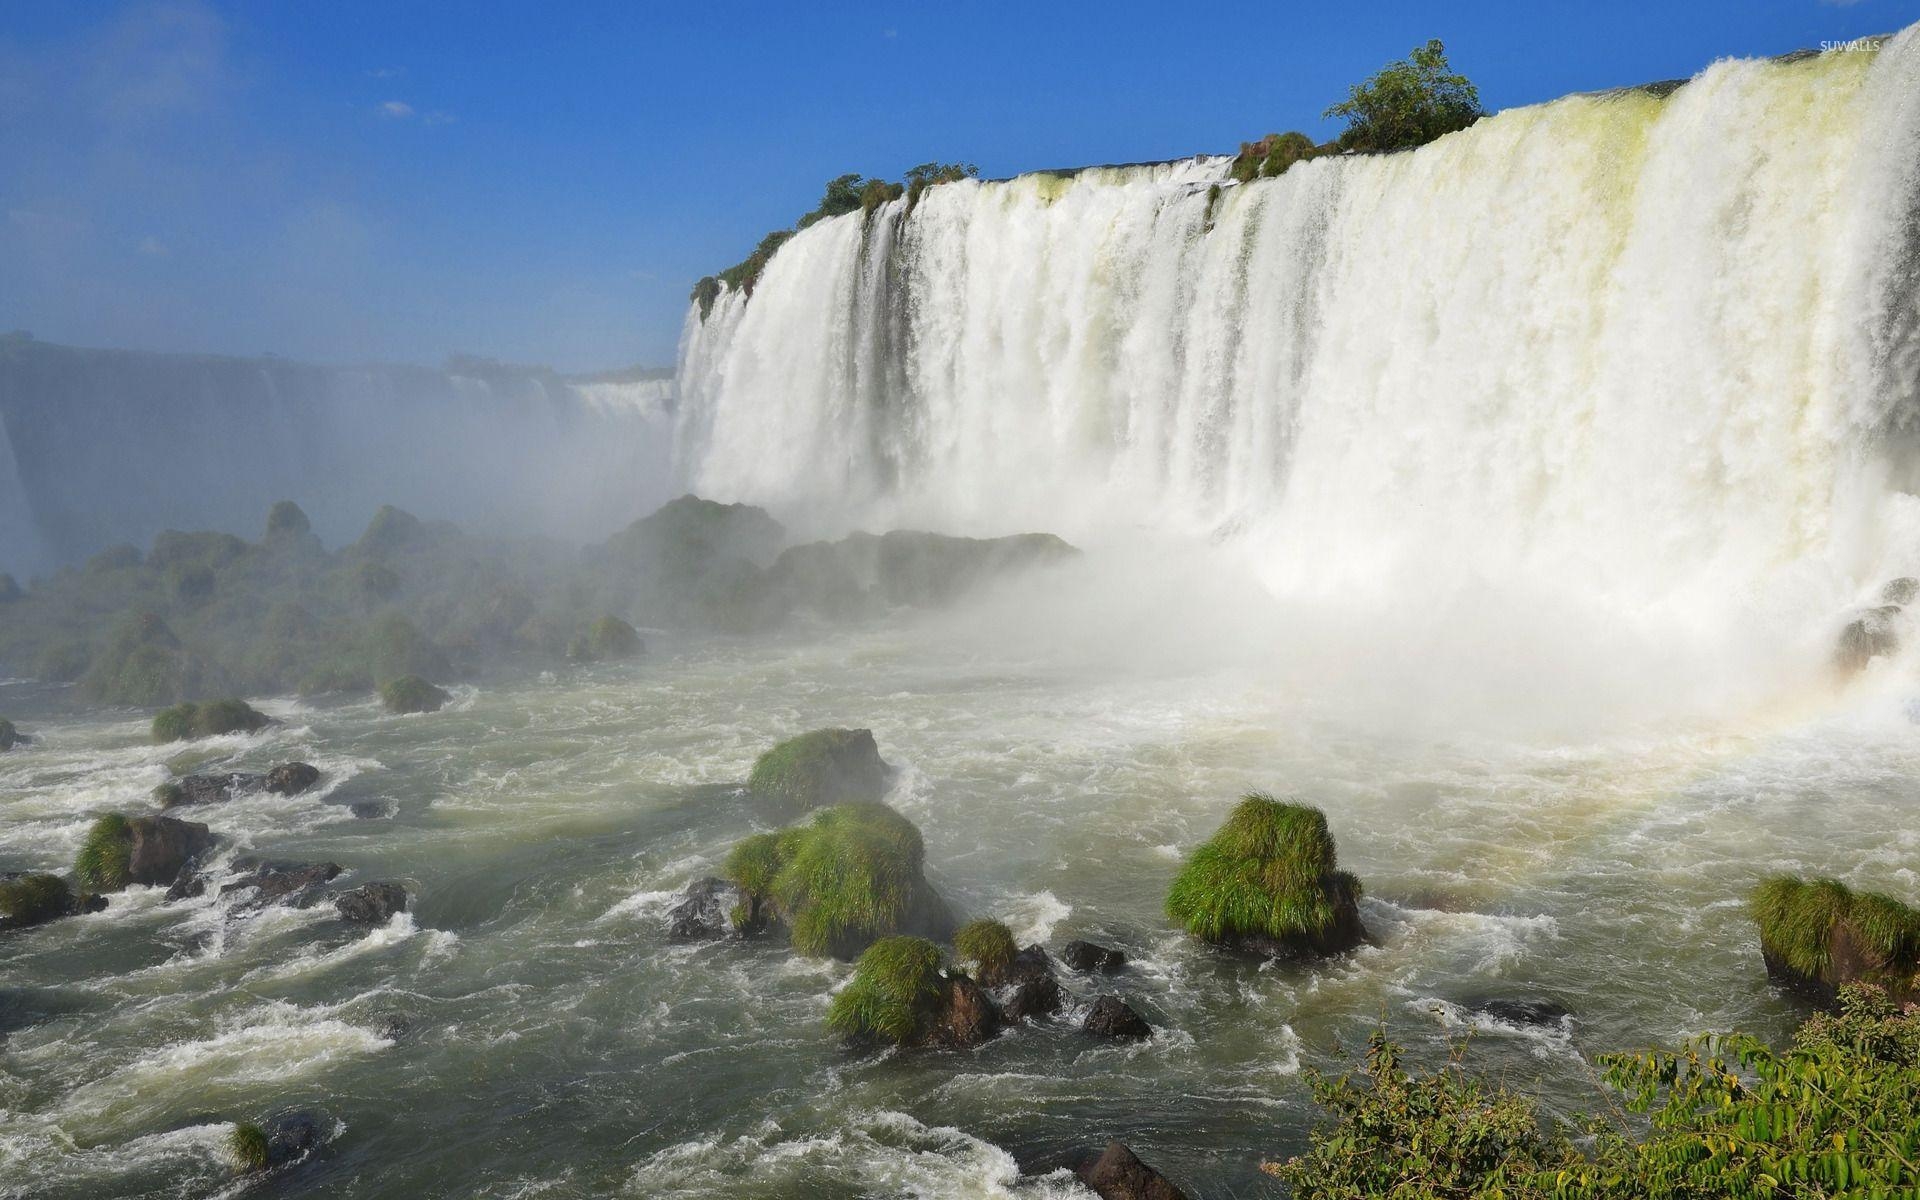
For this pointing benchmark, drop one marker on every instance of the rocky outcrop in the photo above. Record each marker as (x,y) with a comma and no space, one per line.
(1541,1014)
(10,737)
(371,903)
(290,779)
(163,846)
(411,694)
(1034,998)
(1818,935)
(291,1137)
(1092,958)
(1119,1175)
(705,911)
(1112,1017)
(967,1016)
(191,790)
(32,898)
(1268,882)
(824,767)
(293,884)
(1873,634)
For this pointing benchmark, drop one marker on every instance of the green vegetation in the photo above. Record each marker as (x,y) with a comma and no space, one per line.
(105,861)
(211,718)
(826,766)
(843,194)
(1804,923)
(1268,873)
(1273,154)
(1408,103)
(852,874)
(607,639)
(1725,1118)
(988,945)
(248,1145)
(894,993)
(412,694)
(31,899)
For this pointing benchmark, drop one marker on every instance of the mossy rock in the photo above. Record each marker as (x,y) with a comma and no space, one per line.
(412,694)
(894,996)
(105,858)
(120,850)
(33,899)
(1817,936)
(606,640)
(210,718)
(827,766)
(248,1145)
(1268,882)
(852,874)
(989,946)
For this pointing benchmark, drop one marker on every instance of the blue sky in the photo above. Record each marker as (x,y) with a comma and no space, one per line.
(350,182)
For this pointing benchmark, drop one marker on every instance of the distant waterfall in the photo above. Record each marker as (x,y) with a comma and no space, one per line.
(1668,348)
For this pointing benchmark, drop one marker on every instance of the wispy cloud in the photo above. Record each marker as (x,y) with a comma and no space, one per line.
(396,110)
(152,247)
(438,118)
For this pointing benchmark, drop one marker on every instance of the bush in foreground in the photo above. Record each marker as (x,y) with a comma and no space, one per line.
(185,722)
(895,993)
(1268,881)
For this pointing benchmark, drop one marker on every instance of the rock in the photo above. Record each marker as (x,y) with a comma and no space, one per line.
(1091,957)
(393,1026)
(370,810)
(290,1137)
(206,789)
(1873,634)
(29,899)
(9,736)
(1030,965)
(1118,1175)
(413,694)
(824,767)
(1112,1017)
(705,910)
(162,846)
(190,882)
(1900,591)
(290,779)
(967,1017)
(371,903)
(1541,1013)
(606,640)
(1268,883)
(294,884)
(1034,998)
(209,718)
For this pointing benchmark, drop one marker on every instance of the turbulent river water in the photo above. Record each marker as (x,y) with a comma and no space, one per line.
(1503,498)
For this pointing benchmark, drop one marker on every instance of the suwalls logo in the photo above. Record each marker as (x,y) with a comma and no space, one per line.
(1854,45)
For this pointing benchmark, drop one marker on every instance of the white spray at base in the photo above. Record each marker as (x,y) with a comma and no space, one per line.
(1653,359)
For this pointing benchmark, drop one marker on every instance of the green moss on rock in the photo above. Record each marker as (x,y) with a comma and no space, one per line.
(248,1145)
(211,718)
(895,994)
(104,863)
(988,945)
(412,694)
(1818,935)
(1268,881)
(827,766)
(852,874)
(31,899)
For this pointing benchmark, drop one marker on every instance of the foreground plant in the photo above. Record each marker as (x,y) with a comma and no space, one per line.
(1268,881)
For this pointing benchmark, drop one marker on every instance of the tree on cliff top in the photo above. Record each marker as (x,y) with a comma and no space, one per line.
(1408,103)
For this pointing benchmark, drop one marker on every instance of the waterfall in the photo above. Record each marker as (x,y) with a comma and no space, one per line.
(1661,349)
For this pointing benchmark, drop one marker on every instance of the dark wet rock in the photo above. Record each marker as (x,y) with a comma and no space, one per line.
(290,779)
(1034,998)
(967,1017)
(11,737)
(1545,1014)
(294,884)
(370,810)
(412,694)
(162,846)
(705,910)
(393,1026)
(1112,1017)
(1873,634)
(291,1137)
(1900,591)
(371,903)
(189,883)
(1032,963)
(34,898)
(206,789)
(1118,1175)
(1092,957)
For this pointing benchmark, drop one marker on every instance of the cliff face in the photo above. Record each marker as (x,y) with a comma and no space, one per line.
(99,447)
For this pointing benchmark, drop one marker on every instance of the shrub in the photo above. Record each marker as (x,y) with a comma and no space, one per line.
(30,899)
(1269,873)
(1802,921)
(412,694)
(248,1145)
(1272,155)
(852,874)
(105,861)
(185,722)
(988,945)
(826,766)
(1408,103)
(894,993)
(933,174)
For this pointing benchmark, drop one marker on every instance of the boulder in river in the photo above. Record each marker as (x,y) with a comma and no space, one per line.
(1816,936)
(1034,998)
(1119,1175)
(285,1138)
(412,694)
(208,718)
(10,737)
(1092,958)
(371,903)
(1900,591)
(290,779)
(28,899)
(902,994)
(1873,634)
(190,790)
(1539,1014)
(1267,883)
(827,766)
(1112,1017)
(705,911)
(294,884)
(120,850)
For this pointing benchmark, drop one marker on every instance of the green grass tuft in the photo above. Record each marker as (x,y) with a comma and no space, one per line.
(988,945)
(894,991)
(31,899)
(826,766)
(1797,919)
(211,718)
(104,863)
(1269,871)
(848,876)
(248,1145)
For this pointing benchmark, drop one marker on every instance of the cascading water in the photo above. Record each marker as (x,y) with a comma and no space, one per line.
(1660,352)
